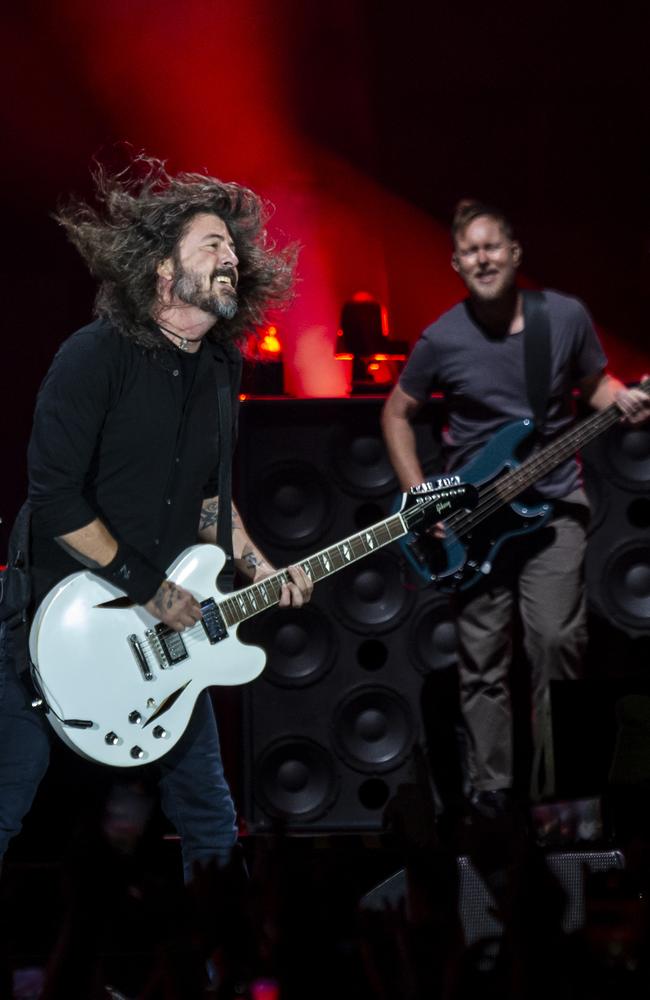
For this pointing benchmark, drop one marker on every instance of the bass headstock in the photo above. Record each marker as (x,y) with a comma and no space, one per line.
(430,502)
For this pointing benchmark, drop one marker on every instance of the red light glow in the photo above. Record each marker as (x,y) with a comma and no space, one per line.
(352,229)
(270,342)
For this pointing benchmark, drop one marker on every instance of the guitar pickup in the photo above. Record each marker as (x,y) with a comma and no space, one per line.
(212,622)
(170,646)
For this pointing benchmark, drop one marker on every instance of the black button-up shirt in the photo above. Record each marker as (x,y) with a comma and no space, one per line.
(116,436)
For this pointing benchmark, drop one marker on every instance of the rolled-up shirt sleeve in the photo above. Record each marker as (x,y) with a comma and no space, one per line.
(70,409)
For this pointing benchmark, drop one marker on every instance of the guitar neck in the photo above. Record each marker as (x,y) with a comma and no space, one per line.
(547,458)
(257,597)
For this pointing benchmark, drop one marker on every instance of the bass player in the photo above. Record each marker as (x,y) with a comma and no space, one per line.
(475,355)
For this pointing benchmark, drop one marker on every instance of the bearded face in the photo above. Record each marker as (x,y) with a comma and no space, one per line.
(214,293)
(203,267)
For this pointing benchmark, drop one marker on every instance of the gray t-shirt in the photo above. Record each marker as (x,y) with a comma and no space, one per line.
(483,380)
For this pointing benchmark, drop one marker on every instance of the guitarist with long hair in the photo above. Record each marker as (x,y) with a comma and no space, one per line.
(475,355)
(127,459)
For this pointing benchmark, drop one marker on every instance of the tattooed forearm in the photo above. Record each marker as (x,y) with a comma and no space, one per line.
(209,514)
(253,560)
(248,558)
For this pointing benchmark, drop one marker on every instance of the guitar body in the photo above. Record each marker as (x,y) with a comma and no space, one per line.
(463,558)
(89,671)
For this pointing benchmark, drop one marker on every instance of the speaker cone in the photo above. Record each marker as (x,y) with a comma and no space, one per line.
(296,779)
(362,464)
(623,455)
(625,585)
(371,596)
(295,506)
(300,645)
(373,729)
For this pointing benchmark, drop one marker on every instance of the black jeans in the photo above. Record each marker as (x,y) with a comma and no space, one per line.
(24,745)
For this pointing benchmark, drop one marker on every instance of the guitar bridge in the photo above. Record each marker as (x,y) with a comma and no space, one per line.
(140,657)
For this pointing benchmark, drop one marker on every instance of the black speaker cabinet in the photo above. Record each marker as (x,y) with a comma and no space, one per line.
(331,724)
(617,478)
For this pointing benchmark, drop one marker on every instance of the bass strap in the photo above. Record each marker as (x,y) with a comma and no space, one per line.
(537,354)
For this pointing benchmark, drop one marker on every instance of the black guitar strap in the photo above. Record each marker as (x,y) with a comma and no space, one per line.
(224,520)
(537,354)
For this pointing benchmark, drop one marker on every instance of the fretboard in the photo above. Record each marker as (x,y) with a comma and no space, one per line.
(547,458)
(257,597)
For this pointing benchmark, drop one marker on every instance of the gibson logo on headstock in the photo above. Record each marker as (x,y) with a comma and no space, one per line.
(439,496)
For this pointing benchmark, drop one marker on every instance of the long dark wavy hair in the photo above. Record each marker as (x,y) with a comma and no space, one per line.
(141,215)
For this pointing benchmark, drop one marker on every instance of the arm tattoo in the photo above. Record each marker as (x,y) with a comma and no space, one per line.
(165,596)
(171,596)
(251,560)
(209,514)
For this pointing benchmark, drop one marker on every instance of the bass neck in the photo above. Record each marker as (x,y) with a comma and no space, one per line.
(551,455)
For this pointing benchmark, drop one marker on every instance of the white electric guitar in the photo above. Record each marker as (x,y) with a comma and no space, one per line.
(120,686)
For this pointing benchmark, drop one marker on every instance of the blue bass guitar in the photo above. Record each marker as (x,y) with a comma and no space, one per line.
(473,538)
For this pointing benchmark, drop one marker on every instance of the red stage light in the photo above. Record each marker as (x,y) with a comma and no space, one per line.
(270,342)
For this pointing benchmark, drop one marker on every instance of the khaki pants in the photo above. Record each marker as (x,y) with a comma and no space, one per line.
(540,577)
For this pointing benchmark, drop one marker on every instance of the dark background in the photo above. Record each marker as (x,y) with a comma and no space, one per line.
(408,107)
(364,122)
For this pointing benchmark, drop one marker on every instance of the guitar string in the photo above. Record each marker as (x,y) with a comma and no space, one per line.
(492,497)
(196,631)
(236,605)
(275,583)
(537,464)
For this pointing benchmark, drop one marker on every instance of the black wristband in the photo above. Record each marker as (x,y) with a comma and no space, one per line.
(132,574)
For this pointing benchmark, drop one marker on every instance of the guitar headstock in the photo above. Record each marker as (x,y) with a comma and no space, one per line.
(428,503)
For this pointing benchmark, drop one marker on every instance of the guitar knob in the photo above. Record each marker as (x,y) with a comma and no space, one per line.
(159,732)
(112,739)
(135,718)
(137,753)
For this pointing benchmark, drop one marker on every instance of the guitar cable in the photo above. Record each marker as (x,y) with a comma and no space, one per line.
(40,701)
